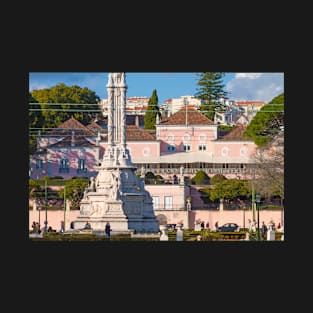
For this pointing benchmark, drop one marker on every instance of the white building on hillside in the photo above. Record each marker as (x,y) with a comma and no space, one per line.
(173,105)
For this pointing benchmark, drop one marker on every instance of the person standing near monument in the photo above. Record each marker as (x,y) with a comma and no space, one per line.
(202,225)
(263,230)
(108,230)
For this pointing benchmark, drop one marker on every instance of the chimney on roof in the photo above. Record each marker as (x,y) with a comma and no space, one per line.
(73,139)
(157,120)
(98,138)
(38,139)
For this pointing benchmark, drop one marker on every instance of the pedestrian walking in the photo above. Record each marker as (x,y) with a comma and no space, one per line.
(263,230)
(108,230)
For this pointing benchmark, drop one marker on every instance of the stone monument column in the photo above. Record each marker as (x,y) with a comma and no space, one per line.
(110,110)
(67,215)
(116,195)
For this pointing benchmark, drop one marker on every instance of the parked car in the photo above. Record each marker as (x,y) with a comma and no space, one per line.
(171,227)
(229,227)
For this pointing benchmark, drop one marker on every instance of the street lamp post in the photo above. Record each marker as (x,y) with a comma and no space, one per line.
(257,201)
(46,206)
(244,215)
(39,208)
(64,202)
(253,201)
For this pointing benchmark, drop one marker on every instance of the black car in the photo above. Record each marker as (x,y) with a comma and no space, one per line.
(229,227)
(171,227)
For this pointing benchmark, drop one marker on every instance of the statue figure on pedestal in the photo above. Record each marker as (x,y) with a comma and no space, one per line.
(92,186)
(115,186)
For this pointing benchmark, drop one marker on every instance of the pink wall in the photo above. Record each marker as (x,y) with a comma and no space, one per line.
(180,136)
(144,149)
(234,216)
(174,217)
(51,162)
(234,149)
(141,149)
(89,154)
(54,218)
(177,192)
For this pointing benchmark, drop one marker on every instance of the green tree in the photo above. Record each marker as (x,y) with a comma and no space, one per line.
(201,178)
(35,122)
(267,123)
(152,111)
(74,190)
(34,189)
(150,179)
(210,91)
(217,178)
(229,189)
(65,96)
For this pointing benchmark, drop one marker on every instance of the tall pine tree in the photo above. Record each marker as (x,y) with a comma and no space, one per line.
(210,91)
(152,111)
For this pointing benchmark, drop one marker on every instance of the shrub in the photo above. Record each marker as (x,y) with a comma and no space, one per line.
(217,179)
(201,178)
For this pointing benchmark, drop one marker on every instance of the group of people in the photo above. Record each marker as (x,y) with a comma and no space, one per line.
(264,228)
(107,229)
(202,225)
(36,228)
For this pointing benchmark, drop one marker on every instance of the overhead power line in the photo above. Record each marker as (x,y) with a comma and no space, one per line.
(167,105)
(138,111)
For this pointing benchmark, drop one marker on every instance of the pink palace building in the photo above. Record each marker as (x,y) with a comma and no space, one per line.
(185,139)
(185,142)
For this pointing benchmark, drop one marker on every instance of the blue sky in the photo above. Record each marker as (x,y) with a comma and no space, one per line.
(241,86)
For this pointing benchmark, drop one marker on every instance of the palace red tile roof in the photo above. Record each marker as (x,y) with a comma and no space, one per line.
(194,117)
(95,127)
(134,133)
(79,141)
(66,128)
(236,134)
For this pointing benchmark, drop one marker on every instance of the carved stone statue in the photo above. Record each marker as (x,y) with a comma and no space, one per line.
(92,186)
(116,78)
(188,204)
(181,170)
(115,186)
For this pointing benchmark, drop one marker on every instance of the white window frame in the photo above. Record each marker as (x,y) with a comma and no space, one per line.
(39,164)
(81,162)
(171,147)
(156,202)
(202,147)
(168,202)
(64,163)
(186,147)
